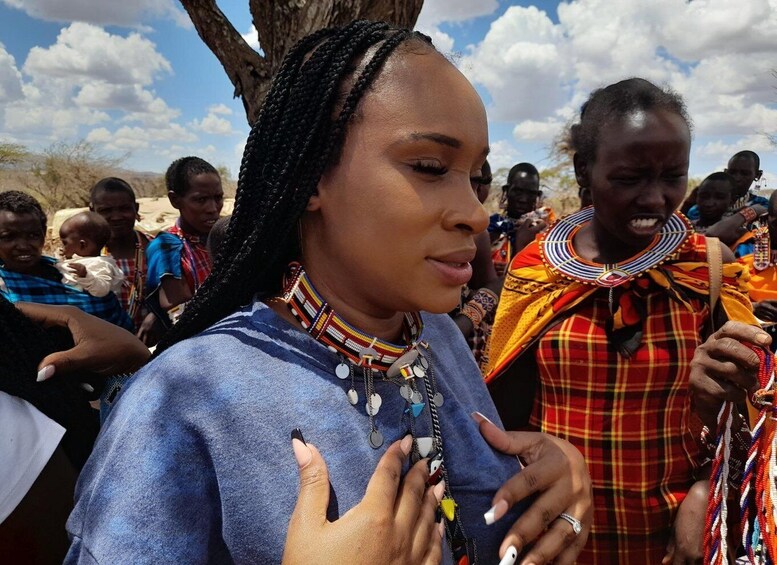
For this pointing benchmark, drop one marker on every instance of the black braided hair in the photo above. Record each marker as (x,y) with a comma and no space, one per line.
(182,170)
(612,103)
(21,203)
(25,344)
(298,135)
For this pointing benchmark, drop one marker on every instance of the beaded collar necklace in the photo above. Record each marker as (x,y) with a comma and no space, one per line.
(407,366)
(560,257)
(325,325)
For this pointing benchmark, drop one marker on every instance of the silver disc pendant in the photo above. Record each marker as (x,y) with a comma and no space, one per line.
(375,439)
(342,371)
(418,371)
(353,396)
(424,362)
(416,397)
(373,404)
(438,399)
(405,392)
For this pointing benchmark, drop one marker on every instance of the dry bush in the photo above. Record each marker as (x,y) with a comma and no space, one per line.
(64,174)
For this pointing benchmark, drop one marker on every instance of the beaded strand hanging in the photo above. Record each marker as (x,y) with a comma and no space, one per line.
(759,484)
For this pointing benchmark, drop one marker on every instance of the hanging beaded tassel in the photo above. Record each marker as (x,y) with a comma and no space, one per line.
(759,535)
(759,482)
(762,247)
(716,536)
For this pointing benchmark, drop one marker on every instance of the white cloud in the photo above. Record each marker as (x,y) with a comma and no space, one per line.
(503,155)
(534,130)
(220,109)
(523,63)
(723,150)
(434,12)
(252,38)
(115,12)
(719,54)
(10,78)
(128,138)
(85,51)
(213,125)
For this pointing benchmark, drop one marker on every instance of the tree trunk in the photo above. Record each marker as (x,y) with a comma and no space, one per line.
(281,23)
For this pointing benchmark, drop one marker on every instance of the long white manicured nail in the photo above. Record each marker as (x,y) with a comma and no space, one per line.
(511,555)
(45,373)
(495,512)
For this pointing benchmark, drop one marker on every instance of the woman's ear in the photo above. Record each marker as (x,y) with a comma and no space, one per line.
(314,203)
(174,199)
(581,171)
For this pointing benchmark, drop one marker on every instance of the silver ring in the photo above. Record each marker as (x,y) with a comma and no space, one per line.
(577,527)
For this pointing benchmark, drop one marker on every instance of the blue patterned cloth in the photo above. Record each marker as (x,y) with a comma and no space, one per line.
(752,199)
(18,287)
(194,463)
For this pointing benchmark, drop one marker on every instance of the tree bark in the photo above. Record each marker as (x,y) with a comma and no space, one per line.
(280,24)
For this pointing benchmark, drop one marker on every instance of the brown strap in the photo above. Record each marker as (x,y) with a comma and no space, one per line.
(715,262)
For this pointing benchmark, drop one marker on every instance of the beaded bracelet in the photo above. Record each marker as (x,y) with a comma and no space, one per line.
(749,214)
(474,312)
(486,299)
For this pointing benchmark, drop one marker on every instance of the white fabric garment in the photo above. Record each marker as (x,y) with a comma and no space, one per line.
(102,275)
(27,441)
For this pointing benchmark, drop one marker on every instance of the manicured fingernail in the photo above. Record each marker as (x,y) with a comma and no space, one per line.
(478,417)
(439,491)
(406,444)
(87,387)
(495,512)
(762,338)
(441,529)
(302,452)
(511,555)
(46,373)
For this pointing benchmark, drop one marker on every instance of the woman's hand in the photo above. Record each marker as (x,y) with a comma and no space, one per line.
(725,369)
(686,547)
(556,472)
(100,347)
(393,523)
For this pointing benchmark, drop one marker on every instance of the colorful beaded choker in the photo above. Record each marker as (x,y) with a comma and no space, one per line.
(325,325)
(559,256)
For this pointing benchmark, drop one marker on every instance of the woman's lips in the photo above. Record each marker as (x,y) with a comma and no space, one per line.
(452,272)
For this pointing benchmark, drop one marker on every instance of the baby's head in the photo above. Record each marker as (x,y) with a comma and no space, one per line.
(84,234)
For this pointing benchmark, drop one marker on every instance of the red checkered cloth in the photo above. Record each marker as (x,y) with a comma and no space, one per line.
(134,280)
(195,261)
(616,386)
(628,417)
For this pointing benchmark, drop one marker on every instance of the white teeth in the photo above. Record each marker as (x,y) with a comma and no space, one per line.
(643,223)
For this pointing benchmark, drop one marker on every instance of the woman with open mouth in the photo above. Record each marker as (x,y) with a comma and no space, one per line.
(599,320)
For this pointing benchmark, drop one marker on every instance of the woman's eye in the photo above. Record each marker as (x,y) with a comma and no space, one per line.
(429,168)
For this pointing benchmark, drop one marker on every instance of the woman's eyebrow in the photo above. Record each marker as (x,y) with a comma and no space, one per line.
(440,138)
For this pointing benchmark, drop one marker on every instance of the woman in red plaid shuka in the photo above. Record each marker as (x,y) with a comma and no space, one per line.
(599,320)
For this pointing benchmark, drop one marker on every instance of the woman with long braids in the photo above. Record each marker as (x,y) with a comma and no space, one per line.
(355,212)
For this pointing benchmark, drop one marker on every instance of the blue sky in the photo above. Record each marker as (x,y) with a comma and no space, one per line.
(133,77)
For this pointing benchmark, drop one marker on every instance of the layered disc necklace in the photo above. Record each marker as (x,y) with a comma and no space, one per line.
(368,359)
(559,255)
